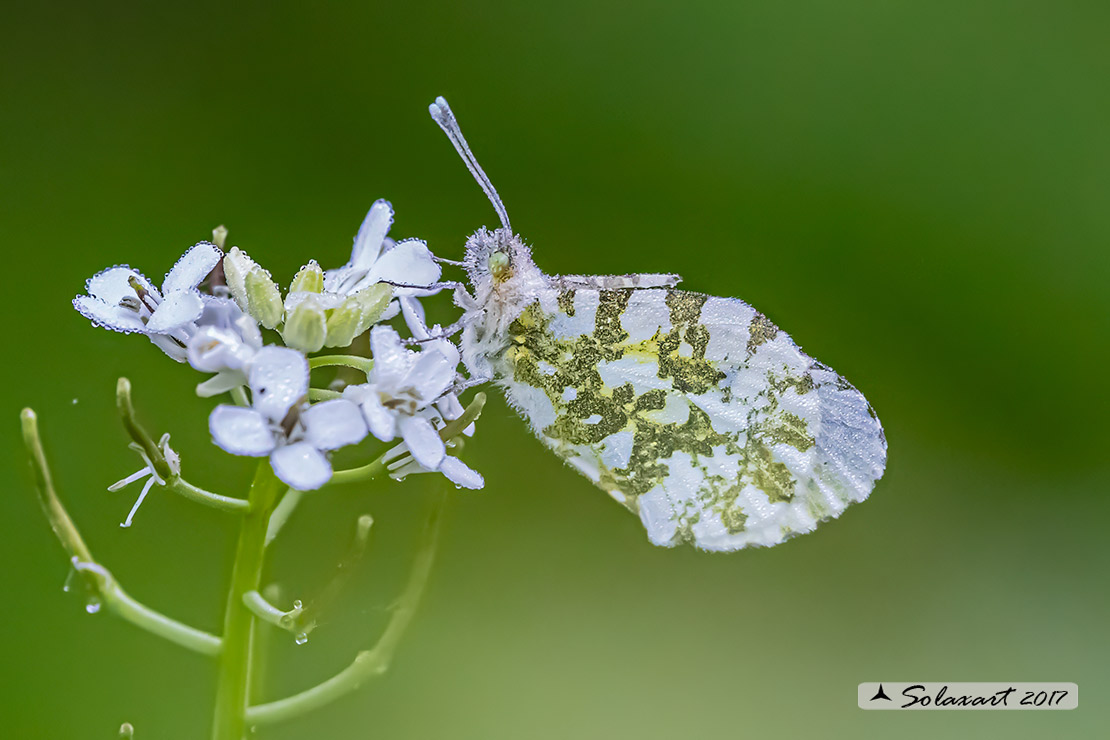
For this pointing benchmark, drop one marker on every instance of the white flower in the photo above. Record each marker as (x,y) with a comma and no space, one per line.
(397,400)
(280,424)
(376,258)
(225,341)
(400,384)
(172,459)
(122,299)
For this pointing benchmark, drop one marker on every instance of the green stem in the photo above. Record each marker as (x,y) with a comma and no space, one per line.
(282,512)
(240,396)
(267,612)
(368,663)
(358,363)
(119,602)
(233,688)
(322,394)
(137,433)
(224,503)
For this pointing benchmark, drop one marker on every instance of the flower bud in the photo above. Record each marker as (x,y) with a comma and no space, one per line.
(305,325)
(310,279)
(252,288)
(357,314)
(263,298)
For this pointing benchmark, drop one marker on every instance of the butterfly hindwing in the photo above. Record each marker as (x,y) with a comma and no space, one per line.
(695,412)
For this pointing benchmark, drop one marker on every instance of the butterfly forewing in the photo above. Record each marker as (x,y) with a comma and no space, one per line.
(693,411)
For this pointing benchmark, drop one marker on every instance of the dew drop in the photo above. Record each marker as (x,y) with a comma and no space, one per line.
(301,638)
(297,604)
(68,585)
(92,606)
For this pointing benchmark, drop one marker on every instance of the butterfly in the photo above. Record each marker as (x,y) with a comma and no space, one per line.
(694,412)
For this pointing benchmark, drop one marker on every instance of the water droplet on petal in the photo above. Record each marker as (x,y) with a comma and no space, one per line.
(301,638)
(92,606)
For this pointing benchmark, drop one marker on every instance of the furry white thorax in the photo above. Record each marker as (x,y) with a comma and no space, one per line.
(498,302)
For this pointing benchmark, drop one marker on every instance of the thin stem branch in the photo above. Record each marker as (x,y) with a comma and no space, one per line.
(239,395)
(56,514)
(119,602)
(368,663)
(267,612)
(99,582)
(233,688)
(358,363)
(282,512)
(136,431)
(181,487)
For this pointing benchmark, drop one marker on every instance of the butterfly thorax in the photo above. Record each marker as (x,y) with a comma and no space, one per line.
(505,281)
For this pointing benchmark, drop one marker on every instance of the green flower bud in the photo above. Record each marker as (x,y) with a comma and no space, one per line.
(252,288)
(263,298)
(305,325)
(357,314)
(309,280)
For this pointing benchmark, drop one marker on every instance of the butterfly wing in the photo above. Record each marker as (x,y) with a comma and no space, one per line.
(695,412)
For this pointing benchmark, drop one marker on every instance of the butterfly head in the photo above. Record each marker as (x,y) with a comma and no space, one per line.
(497,259)
(493,258)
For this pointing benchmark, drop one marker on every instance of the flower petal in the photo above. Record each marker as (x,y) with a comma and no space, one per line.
(221,382)
(333,424)
(109,316)
(114,284)
(430,376)
(220,312)
(423,441)
(175,310)
(192,268)
(241,431)
(409,262)
(301,466)
(278,379)
(212,349)
(379,419)
(460,473)
(391,360)
(368,241)
(170,345)
(413,312)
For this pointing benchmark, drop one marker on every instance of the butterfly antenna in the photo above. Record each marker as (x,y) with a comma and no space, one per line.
(441,114)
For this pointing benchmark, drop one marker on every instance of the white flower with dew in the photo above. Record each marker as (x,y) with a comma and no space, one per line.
(149,472)
(398,396)
(376,258)
(123,299)
(225,342)
(279,424)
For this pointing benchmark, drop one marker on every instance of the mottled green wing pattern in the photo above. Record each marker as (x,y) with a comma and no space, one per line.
(695,412)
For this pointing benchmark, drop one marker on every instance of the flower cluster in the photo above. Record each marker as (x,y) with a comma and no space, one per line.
(217,311)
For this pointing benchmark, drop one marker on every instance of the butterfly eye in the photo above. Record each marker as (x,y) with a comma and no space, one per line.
(499,266)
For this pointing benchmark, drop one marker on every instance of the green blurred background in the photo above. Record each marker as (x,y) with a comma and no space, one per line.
(916,192)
